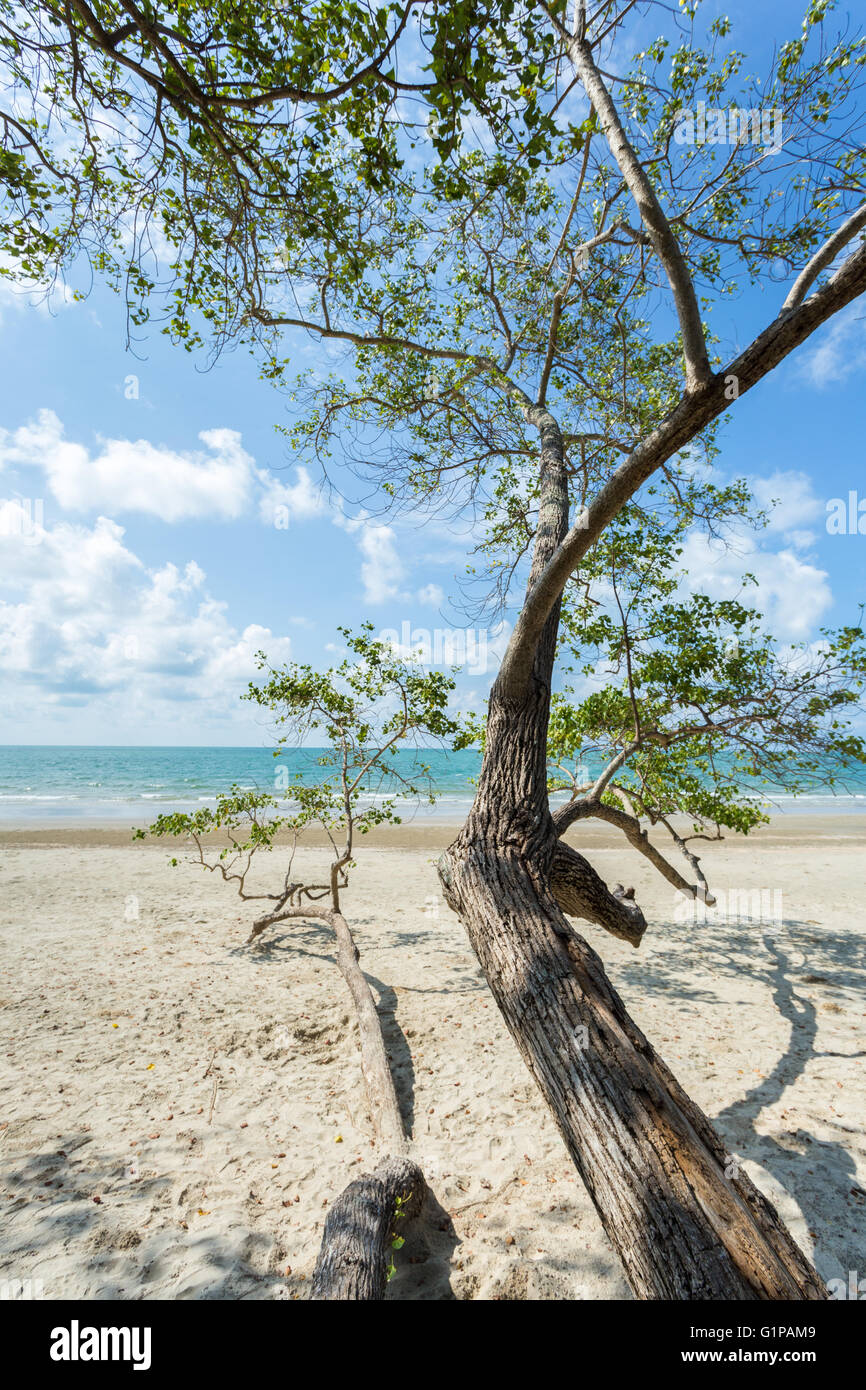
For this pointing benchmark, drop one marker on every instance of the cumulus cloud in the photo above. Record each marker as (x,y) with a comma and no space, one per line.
(788,499)
(122,475)
(219,482)
(282,502)
(792,594)
(85,620)
(381,569)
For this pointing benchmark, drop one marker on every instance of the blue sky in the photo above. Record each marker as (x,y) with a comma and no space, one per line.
(159,551)
(131,615)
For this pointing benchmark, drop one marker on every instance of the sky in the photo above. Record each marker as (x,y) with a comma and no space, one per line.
(155,530)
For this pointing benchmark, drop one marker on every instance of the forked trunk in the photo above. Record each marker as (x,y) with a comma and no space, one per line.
(651,1161)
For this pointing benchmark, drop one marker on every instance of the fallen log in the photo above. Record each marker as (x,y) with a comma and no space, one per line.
(355,1255)
(362,1225)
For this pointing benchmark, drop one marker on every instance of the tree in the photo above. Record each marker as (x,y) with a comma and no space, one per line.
(653,1164)
(701,709)
(127,128)
(527,332)
(370,709)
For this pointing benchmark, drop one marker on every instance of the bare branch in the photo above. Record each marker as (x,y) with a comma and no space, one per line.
(658,227)
(581,892)
(587,808)
(825,257)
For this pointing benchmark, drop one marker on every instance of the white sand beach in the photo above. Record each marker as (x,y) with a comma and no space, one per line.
(177,1110)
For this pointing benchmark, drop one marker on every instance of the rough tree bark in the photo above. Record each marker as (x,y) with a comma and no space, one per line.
(354,1255)
(353,1258)
(651,1161)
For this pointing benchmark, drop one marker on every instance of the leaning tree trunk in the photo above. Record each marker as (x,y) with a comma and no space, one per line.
(651,1161)
(654,1166)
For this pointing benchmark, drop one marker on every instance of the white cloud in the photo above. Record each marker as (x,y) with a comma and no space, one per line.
(839,351)
(788,499)
(134,475)
(432,594)
(220,482)
(801,540)
(382,568)
(792,594)
(87,623)
(300,500)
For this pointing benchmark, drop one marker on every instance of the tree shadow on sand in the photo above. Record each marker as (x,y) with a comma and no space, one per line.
(819,1174)
(79,1225)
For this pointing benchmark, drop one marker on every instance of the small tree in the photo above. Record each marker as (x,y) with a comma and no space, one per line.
(367,710)
(701,711)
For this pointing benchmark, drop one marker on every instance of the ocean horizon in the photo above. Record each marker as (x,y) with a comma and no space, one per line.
(53,782)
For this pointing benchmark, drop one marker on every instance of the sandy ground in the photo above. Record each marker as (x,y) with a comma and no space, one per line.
(177,1110)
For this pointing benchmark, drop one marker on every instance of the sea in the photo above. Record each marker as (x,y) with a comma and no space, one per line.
(134,785)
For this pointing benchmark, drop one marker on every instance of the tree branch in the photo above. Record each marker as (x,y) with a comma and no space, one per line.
(692,413)
(585,809)
(581,892)
(658,227)
(825,256)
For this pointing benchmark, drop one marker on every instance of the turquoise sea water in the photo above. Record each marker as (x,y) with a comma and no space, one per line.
(136,784)
(133,785)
